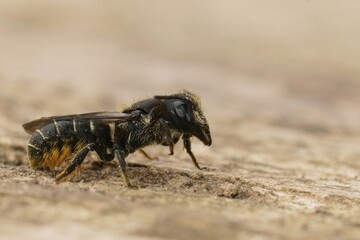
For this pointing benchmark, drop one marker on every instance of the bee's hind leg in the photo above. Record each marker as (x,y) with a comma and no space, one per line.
(74,166)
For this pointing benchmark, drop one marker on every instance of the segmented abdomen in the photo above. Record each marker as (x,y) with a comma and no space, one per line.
(55,142)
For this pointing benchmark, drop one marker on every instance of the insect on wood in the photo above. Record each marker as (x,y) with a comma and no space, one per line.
(114,135)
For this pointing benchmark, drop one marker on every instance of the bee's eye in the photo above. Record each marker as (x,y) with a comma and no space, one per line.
(182,111)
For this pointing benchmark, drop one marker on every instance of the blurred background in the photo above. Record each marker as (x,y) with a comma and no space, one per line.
(282,59)
(280,85)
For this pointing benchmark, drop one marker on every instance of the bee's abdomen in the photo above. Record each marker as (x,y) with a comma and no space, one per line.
(52,144)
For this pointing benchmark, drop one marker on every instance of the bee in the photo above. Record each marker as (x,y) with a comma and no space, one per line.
(114,135)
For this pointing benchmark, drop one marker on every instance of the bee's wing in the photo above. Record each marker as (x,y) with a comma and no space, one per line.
(31,127)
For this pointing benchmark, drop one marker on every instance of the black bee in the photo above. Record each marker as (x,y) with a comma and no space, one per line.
(158,120)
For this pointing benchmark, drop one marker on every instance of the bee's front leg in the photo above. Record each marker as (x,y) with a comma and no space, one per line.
(187,145)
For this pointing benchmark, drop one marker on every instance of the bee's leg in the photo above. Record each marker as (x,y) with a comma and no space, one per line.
(137,165)
(167,139)
(120,157)
(187,145)
(73,168)
(175,139)
(146,155)
(103,154)
(171,149)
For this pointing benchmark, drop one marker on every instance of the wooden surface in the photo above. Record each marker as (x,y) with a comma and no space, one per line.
(280,87)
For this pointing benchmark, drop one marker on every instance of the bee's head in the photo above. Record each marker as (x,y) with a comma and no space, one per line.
(183,111)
